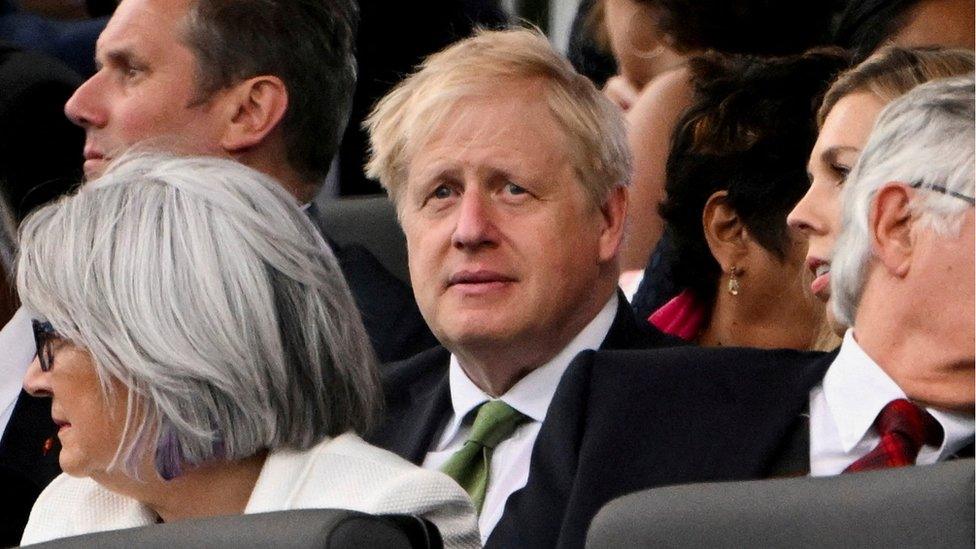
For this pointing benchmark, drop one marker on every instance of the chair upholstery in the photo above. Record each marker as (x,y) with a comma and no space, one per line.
(924,506)
(304,528)
(370,222)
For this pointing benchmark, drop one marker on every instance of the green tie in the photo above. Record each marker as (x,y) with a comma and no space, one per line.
(469,466)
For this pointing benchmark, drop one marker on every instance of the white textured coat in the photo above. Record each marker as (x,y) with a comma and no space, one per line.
(339,473)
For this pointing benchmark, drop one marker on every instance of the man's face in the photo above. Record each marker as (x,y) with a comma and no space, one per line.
(145,87)
(922,280)
(505,249)
(943,272)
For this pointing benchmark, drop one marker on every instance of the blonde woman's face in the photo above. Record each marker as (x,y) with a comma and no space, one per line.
(844,134)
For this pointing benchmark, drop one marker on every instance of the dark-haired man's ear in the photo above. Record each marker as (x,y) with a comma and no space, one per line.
(257,106)
(890,225)
(724,231)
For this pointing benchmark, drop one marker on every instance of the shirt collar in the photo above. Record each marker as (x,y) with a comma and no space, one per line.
(856,389)
(532,394)
(17,342)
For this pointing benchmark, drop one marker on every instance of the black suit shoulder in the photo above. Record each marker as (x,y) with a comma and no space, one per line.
(660,417)
(630,332)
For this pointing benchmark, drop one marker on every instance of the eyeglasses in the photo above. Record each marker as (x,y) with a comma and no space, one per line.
(943,190)
(44,335)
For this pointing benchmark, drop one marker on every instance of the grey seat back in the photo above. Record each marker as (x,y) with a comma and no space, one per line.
(925,506)
(299,529)
(370,222)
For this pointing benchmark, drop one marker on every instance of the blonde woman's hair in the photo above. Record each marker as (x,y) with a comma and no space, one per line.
(893,71)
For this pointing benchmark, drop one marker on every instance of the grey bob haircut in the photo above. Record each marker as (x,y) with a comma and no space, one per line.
(199,285)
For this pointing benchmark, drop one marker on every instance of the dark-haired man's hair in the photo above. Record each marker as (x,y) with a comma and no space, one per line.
(308,44)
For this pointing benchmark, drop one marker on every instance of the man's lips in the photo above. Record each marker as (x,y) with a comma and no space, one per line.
(62,425)
(478,280)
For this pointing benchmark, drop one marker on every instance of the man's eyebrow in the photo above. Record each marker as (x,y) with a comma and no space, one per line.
(120,56)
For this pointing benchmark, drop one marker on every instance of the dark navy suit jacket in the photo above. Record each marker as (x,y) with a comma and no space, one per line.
(418,397)
(623,421)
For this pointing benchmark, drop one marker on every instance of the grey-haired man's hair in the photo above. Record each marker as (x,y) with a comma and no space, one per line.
(200,286)
(923,138)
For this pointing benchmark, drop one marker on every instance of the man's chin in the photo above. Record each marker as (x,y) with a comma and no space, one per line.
(478,336)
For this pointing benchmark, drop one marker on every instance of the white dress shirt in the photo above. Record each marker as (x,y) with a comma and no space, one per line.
(16,353)
(509,468)
(844,406)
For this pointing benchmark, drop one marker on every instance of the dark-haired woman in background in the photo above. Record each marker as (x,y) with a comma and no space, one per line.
(867,25)
(681,29)
(736,167)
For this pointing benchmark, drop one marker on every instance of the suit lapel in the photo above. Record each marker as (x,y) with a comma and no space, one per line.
(425,420)
(794,459)
(680,422)
(418,404)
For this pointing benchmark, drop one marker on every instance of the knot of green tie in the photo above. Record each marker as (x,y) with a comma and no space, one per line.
(469,466)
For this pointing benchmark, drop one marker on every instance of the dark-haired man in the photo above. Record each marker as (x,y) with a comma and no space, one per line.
(267,83)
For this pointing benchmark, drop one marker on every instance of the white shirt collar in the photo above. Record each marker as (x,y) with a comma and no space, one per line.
(856,389)
(16,354)
(532,394)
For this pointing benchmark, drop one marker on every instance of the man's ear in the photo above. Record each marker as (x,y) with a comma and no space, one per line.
(890,225)
(724,231)
(614,213)
(257,107)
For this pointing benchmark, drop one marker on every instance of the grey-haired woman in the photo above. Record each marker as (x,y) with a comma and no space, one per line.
(204,357)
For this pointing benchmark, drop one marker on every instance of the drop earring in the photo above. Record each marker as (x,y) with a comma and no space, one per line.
(733,281)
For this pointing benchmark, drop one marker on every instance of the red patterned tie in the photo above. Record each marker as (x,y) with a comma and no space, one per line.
(904,428)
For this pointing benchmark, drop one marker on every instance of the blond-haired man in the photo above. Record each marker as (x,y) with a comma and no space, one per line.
(509,172)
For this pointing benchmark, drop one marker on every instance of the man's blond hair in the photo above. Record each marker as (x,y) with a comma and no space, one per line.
(406,118)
